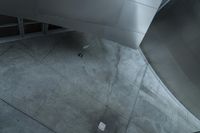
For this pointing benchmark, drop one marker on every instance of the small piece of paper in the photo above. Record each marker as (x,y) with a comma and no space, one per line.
(102,126)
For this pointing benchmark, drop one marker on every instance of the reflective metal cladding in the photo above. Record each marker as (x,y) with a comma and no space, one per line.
(123,21)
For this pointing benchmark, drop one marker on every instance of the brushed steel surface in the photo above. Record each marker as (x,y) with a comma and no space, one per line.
(136,17)
(172,47)
(129,18)
(152,3)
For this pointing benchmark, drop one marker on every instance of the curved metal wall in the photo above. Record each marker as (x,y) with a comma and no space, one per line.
(123,21)
(172,46)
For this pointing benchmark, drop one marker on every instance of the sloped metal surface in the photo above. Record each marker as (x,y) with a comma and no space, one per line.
(172,46)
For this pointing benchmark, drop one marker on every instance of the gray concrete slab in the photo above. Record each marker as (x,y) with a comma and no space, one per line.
(50,83)
(115,123)
(14,121)
(35,87)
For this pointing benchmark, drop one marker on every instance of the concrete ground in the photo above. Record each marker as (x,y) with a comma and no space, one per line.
(45,87)
(172,46)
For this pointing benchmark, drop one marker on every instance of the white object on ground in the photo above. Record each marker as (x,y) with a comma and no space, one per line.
(102,126)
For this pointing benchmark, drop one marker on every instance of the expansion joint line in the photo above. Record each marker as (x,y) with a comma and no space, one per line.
(133,111)
(27,115)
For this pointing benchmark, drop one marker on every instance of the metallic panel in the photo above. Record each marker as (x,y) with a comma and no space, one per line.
(172,45)
(91,11)
(124,21)
(152,3)
(136,17)
(124,37)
